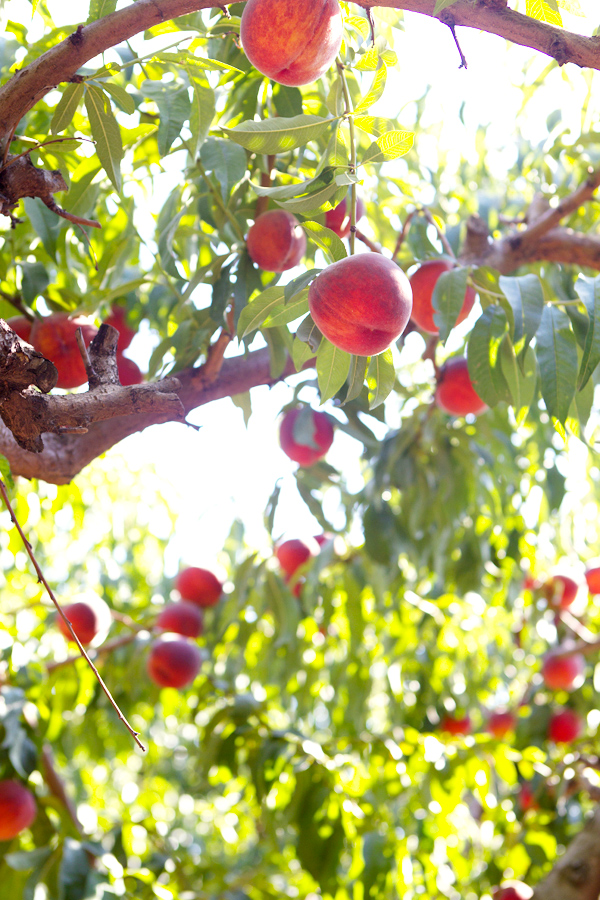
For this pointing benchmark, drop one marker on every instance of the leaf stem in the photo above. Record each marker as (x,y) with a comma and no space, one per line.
(348,112)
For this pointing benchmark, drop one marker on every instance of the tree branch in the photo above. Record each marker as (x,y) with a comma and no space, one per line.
(576,875)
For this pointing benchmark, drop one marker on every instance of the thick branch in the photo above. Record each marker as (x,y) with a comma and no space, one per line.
(61,63)
(576,876)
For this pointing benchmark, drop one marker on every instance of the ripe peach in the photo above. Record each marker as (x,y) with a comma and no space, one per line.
(455,393)
(294,553)
(305,435)
(561,591)
(500,723)
(173,662)
(362,303)
(516,890)
(22,326)
(88,617)
(564,726)
(527,797)
(452,725)
(18,808)
(129,372)
(54,337)
(423,282)
(338,218)
(199,586)
(563,672)
(292,43)
(276,241)
(592,576)
(181,618)
(118,320)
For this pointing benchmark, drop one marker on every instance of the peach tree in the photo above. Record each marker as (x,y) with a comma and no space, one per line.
(375,718)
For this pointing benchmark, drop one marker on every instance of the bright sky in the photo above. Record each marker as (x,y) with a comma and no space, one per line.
(226,470)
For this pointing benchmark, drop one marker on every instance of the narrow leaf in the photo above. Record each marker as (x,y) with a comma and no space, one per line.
(283,314)
(526,300)
(588,291)
(278,135)
(448,298)
(389,146)
(105,132)
(482,356)
(255,313)
(380,378)
(67,106)
(557,357)
(356,377)
(375,92)
(326,239)
(333,365)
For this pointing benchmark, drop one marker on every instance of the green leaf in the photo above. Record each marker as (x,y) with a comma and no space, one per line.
(197,62)
(287,101)
(202,111)
(584,401)
(100,8)
(255,313)
(333,365)
(307,331)
(556,350)
(105,132)
(226,161)
(298,283)
(526,299)
(173,102)
(447,300)
(6,473)
(380,378)
(540,9)
(482,356)
(278,135)
(389,146)
(376,90)
(326,239)
(46,224)
(66,108)
(442,4)
(283,314)
(356,377)
(375,125)
(301,353)
(120,96)
(320,200)
(588,291)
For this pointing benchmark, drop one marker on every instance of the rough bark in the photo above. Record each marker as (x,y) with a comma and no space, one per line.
(576,875)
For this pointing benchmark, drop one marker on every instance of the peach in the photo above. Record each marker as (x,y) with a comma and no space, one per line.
(452,725)
(181,618)
(455,393)
(516,890)
(54,337)
(423,282)
(563,672)
(561,591)
(294,553)
(592,577)
(18,808)
(305,435)
(276,241)
(527,797)
(338,218)
(129,372)
(362,303)
(173,662)
(118,320)
(22,326)
(500,723)
(564,726)
(199,586)
(88,618)
(291,41)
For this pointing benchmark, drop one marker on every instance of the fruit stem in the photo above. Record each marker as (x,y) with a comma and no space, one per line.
(219,201)
(348,112)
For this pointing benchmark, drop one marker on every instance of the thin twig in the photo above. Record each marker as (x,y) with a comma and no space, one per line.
(449,21)
(369,243)
(403,234)
(89,369)
(82,650)
(552,217)
(99,651)
(441,235)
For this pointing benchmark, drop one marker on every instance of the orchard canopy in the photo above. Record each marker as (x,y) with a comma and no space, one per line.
(409,706)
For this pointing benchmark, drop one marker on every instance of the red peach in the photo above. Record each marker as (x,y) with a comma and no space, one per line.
(563,672)
(527,797)
(564,726)
(592,576)
(22,326)
(294,553)
(276,241)
(54,337)
(88,618)
(181,618)
(561,591)
(129,372)
(338,218)
(361,304)
(423,282)
(291,42)
(516,890)
(199,586)
(305,435)
(452,725)
(18,809)
(455,393)
(118,320)
(173,662)
(500,723)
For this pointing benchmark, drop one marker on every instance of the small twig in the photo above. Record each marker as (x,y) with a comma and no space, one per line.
(369,243)
(404,233)
(441,235)
(372,24)
(576,627)
(99,651)
(449,21)
(16,301)
(59,609)
(89,369)
(208,372)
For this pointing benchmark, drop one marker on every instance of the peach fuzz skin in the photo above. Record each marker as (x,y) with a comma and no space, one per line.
(18,809)
(338,218)
(423,282)
(276,241)
(361,304)
(291,41)
(304,454)
(455,393)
